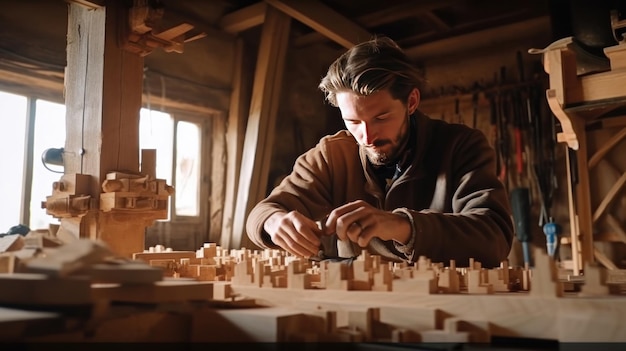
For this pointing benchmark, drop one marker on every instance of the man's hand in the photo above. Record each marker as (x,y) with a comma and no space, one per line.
(294,232)
(359,222)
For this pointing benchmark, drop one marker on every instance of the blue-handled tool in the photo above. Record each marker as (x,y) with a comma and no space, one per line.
(552,231)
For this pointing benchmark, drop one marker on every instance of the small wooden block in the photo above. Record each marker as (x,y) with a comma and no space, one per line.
(126,273)
(175,255)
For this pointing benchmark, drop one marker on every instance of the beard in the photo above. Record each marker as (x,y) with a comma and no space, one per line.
(379,157)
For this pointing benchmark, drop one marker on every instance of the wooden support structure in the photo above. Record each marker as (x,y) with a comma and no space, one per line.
(103,97)
(235,132)
(579,101)
(259,136)
(323,20)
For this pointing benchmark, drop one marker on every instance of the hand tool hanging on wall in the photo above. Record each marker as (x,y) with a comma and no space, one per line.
(457,111)
(520,196)
(503,110)
(520,204)
(493,133)
(475,107)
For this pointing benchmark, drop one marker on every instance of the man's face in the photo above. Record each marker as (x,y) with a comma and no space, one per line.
(377,121)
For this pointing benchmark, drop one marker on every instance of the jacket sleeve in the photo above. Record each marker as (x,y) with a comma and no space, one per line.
(479,225)
(305,190)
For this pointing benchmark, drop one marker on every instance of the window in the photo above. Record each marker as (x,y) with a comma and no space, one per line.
(179,143)
(12,142)
(187,169)
(30,126)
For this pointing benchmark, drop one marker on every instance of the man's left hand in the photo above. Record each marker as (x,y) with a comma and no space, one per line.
(359,222)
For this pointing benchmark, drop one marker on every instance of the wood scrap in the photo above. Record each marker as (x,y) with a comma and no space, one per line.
(12,242)
(70,258)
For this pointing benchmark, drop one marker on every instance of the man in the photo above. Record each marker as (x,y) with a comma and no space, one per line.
(409,186)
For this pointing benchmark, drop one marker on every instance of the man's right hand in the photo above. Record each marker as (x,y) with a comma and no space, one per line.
(294,232)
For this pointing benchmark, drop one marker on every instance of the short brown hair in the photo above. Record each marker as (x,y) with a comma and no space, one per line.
(371,66)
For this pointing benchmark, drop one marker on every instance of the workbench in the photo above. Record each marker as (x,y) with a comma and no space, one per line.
(271,297)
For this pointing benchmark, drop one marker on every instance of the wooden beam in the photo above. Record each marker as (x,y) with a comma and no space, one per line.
(243,19)
(387,15)
(324,20)
(436,21)
(606,147)
(235,133)
(259,137)
(483,38)
(609,197)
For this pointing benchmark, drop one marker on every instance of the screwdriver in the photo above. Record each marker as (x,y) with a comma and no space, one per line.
(520,204)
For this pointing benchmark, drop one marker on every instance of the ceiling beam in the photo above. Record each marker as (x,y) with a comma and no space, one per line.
(324,20)
(243,19)
(402,11)
(482,38)
(436,21)
(388,15)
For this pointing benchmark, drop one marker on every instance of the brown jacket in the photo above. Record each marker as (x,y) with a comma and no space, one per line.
(459,207)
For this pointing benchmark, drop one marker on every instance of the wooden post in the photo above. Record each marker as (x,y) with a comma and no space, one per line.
(237,116)
(103,96)
(261,122)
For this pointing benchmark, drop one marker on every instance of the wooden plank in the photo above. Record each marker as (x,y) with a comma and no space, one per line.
(246,18)
(37,289)
(606,147)
(324,20)
(81,79)
(168,290)
(610,196)
(259,137)
(601,86)
(509,314)
(235,133)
